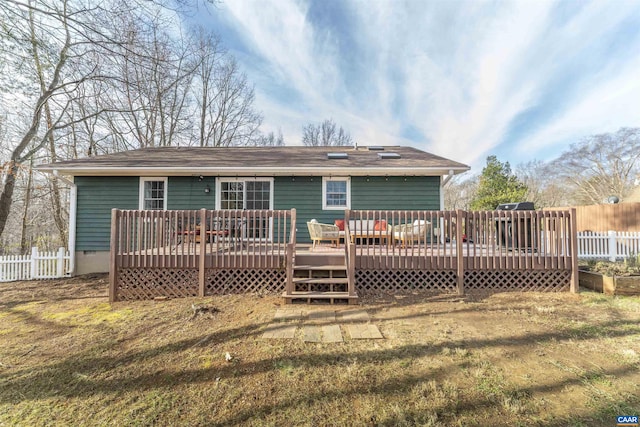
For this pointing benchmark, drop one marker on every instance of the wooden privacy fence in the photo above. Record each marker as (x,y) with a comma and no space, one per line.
(198,252)
(36,265)
(601,218)
(459,250)
(611,245)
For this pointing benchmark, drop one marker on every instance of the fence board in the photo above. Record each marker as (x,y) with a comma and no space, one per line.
(35,266)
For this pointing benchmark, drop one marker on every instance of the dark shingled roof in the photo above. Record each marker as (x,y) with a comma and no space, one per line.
(260,160)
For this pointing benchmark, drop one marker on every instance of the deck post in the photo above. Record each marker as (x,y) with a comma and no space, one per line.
(459,254)
(291,247)
(292,234)
(351,265)
(203,252)
(113,268)
(573,225)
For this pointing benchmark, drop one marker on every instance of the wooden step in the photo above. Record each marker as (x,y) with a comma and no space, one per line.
(320,267)
(299,294)
(322,280)
(331,297)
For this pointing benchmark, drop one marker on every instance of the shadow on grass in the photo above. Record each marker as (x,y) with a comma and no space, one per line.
(72,375)
(405,384)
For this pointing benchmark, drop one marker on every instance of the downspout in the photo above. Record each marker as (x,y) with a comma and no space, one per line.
(443,183)
(444,180)
(73,207)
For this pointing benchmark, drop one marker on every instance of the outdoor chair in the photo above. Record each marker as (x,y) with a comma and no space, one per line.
(410,232)
(319,232)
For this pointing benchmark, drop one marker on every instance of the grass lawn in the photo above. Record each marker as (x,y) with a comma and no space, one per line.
(67,357)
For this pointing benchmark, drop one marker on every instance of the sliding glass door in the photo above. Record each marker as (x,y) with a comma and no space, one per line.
(248,193)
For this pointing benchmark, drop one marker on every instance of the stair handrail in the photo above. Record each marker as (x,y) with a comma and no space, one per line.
(349,255)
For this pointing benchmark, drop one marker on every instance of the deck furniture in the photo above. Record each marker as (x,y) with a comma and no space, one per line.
(369,229)
(319,232)
(411,233)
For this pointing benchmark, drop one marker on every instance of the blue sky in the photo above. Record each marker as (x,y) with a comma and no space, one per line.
(462,79)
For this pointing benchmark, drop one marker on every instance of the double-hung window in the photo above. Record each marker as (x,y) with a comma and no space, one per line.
(336,193)
(153,193)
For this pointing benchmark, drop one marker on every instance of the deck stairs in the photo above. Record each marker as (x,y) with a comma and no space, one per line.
(320,278)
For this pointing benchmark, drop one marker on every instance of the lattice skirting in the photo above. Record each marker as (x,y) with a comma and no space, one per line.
(517,280)
(400,281)
(403,281)
(219,282)
(149,283)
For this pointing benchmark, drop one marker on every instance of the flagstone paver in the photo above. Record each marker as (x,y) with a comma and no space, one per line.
(311,333)
(331,333)
(364,331)
(354,316)
(322,316)
(288,314)
(279,331)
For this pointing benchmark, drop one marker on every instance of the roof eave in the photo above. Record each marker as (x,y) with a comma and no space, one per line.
(253,171)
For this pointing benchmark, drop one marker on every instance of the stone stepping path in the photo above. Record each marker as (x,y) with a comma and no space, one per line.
(311,333)
(280,331)
(322,316)
(331,333)
(284,315)
(354,316)
(320,325)
(364,332)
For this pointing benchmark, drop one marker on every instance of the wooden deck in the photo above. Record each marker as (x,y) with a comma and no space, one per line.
(494,250)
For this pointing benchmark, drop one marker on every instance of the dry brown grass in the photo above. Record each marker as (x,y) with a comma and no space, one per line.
(69,358)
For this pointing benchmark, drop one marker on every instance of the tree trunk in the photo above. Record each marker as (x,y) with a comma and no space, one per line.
(24,247)
(6,197)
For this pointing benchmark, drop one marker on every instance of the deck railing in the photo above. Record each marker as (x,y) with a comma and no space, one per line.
(465,241)
(200,240)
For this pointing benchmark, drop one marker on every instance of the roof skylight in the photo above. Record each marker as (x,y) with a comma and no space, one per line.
(388,155)
(337,156)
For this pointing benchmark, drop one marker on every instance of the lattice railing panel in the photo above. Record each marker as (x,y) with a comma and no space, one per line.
(242,281)
(149,283)
(405,280)
(517,280)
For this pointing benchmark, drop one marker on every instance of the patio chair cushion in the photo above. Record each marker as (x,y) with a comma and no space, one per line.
(340,224)
(380,225)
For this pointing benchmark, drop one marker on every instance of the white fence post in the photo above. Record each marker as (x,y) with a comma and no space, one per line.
(34,262)
(613,245)
(60,262)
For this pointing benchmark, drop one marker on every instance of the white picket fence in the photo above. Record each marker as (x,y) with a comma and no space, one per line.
(612,245)
(37,265)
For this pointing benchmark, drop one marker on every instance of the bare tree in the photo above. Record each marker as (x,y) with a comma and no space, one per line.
(225,101)
(600,166)
(270,140)
(459,192)
(325,134)
(86,77)
(543,187)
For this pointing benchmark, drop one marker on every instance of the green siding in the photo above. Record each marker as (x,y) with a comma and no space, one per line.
(187,192)
(379,193)
(96,197)
(394,193)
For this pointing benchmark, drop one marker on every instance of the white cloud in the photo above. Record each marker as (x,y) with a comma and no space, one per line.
(459,72)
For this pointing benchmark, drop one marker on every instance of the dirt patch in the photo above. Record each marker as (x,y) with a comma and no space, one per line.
(69,357)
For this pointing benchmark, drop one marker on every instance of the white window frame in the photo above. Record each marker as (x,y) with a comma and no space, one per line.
(144,179)
(219,182)
(326,179)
